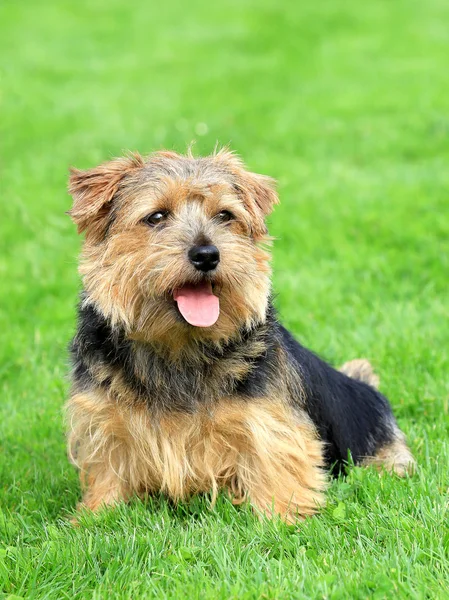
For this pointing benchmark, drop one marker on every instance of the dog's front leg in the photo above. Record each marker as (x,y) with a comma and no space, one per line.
(98,446)
(278,459)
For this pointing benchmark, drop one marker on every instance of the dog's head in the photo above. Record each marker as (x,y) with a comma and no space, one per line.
(173,249)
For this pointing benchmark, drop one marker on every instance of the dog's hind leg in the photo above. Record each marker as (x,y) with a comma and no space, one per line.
(394,456)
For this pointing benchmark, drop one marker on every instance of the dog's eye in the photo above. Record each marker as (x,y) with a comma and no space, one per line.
(225,215)
(155,218)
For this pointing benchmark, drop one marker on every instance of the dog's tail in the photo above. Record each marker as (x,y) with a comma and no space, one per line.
(361,369)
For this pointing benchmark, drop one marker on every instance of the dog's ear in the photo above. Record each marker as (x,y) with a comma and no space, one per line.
(93,191)
(257,192)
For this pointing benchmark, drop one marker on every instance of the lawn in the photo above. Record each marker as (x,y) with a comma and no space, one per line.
(346,104)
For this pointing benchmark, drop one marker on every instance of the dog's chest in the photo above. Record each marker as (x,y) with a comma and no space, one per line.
(136,373)
(185,387)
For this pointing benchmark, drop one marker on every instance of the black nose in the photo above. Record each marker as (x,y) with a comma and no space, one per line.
(204,258)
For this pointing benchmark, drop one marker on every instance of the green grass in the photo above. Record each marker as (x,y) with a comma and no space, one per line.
(346,104)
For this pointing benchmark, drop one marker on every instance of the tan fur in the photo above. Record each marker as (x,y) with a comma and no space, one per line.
(361,369)
(94,189)
(395,457)
(257,191)
(125,443)
(260,451)
(131,273)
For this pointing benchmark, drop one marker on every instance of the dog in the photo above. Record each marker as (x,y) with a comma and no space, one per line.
(183,380)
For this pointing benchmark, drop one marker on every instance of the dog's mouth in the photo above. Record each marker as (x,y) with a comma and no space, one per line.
(198,304)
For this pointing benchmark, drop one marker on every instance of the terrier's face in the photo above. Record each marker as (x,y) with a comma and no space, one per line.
(173,245)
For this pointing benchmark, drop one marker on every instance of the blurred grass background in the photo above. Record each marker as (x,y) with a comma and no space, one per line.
(346,104)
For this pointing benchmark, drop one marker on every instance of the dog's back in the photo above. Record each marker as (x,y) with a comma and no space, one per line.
(353,418)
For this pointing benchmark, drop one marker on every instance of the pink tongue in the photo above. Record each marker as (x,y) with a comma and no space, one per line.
(197,304)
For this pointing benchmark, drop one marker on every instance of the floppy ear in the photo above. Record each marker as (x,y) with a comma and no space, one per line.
(257,192)
(93,190)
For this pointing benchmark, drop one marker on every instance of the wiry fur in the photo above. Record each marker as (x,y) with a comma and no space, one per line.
(394,456)
(130,273)
(159,405)
(259,451)
(361,369)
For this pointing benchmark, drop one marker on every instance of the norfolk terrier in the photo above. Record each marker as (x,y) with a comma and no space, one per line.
(183,379)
